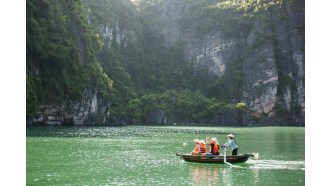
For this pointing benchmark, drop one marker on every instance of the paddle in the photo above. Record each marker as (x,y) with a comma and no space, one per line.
(225,156)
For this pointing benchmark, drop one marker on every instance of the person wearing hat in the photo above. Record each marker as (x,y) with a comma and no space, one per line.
(232,143)
(214,146)
(197,147)
(200,147)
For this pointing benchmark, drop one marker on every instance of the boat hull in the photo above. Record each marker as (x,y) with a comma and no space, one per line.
(214,159)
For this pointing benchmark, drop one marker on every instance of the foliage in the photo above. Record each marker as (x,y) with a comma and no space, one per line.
(113,44)
(184,106)
(63,51)
(61,54)
(241,106)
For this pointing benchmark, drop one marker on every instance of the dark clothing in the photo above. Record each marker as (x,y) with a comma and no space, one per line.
(234,151)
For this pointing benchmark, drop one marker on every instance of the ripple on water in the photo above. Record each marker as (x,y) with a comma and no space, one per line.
(108,132)
(146,156)
(277,164)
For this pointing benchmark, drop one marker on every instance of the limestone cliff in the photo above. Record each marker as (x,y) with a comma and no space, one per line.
(90,110)
(65,83)
(274,72)
(222,52)
(270,54)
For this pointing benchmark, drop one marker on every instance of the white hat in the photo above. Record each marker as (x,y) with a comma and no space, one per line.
(231,135)
(196,140)
(202,141)
(215,140)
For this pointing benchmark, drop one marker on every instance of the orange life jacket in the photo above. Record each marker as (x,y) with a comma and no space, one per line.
(196,149)
(214,148)
(202,148)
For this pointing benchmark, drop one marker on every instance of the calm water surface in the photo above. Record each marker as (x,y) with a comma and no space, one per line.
(146,156)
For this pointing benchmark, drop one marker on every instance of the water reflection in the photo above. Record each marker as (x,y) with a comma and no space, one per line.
(211,174)
(146,156)
(204,175)
(215,174)
(256,175)
(227,176)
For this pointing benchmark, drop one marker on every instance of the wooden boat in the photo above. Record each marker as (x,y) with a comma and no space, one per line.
(241,158)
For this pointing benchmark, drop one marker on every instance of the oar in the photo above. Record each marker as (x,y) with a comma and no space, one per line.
(225,157)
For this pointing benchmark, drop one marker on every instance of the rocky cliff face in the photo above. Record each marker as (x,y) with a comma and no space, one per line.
(261,80)
(65,83)
(274,71)
(116,20)
(266,59)
(91,110)
(271,57)
(211,50)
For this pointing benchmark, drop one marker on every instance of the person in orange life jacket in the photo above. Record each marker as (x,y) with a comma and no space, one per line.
(200,148)
(214,146)
(232,143)
(203,146)
(197,147)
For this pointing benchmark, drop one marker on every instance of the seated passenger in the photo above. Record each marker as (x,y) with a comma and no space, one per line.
(197,148)
(214,146)
(202,147)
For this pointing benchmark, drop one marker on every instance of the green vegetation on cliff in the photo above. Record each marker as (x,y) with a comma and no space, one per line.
(185,106)
(112,47)
(62,53)
(67,55)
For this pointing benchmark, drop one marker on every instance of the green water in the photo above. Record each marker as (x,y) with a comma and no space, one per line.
(146,156)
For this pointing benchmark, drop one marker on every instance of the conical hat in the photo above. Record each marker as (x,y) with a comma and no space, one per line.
(202,141)
(231,135)
(196,140)
(215,140)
